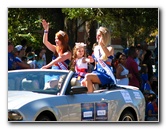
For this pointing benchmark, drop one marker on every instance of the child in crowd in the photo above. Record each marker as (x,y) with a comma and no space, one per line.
(80,61)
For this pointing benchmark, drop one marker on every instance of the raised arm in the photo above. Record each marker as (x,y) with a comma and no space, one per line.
(50,46)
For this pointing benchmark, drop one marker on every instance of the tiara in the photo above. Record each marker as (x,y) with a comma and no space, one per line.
(81,44)
(62,33)
(102,30)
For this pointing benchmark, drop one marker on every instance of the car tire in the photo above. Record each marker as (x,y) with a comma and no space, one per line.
(43,118)
(127,116)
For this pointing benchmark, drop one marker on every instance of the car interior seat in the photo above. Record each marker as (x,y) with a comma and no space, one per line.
(30,85)
(75,82)
(96,86)
(51,84)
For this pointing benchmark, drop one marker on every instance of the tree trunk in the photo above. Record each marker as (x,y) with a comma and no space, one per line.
(91,27)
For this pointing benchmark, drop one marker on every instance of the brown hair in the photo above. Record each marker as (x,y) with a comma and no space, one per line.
(63,37)
(74,56)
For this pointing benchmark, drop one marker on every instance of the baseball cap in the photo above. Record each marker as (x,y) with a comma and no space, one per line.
(19,47)
(31,55)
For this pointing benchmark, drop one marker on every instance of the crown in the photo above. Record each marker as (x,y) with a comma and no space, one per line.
(62,33)
(81,44)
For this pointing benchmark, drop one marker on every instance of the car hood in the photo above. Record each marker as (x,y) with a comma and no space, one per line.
(16,99)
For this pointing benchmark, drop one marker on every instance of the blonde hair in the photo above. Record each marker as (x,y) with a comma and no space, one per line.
(105,33)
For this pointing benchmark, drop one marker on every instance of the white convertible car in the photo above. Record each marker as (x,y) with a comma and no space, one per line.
(54,95)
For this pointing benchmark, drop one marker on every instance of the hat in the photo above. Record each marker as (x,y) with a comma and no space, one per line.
(18,47)
(31,55)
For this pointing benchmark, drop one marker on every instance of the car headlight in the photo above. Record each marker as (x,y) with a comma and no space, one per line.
(14,116)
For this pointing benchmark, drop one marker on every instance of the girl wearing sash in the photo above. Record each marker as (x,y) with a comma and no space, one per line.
(62,52)
(80,61)
(103,55)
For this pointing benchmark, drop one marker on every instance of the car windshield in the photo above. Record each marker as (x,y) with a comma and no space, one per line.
(36,80)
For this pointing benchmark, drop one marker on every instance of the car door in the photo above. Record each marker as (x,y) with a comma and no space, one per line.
(84,107)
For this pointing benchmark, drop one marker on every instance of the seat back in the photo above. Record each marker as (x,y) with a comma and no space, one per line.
(51,84)
(75,82)
(30,85)
(96,86)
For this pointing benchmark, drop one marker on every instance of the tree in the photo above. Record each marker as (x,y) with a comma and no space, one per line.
(25,23)
(132,25)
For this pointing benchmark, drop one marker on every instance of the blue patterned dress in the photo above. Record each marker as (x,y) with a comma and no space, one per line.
(100,71)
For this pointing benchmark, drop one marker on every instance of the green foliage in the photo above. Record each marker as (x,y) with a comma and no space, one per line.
(134,23)
(23,25)
(128,23)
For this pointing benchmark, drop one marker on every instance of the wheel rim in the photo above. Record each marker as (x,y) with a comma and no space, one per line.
(127,118)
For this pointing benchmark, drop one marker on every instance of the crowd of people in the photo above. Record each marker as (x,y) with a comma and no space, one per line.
(131,67)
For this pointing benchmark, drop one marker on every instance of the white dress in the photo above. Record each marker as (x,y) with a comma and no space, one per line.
(123,81)
(81,68)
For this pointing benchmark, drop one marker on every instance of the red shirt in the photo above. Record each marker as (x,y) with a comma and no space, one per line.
(132,66)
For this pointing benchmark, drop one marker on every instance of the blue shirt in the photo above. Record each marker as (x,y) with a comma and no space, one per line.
(11,60)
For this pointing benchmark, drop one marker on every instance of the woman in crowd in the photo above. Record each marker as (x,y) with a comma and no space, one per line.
(122,73)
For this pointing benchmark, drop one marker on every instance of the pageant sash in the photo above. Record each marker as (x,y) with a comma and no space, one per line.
(97,55)
(62,66)
(107,69)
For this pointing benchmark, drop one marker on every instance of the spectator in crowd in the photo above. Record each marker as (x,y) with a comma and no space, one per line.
(115,62)
(132,66)
(80,61)
(138,59)
(19,52)
(24,44)
(154,84)
(11,58)
(122,73)
(40,58)
(148,61)
(24,59)
(102,74)
(144,47)
(144,76)
(150,111)
(61,50)
(32,59)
